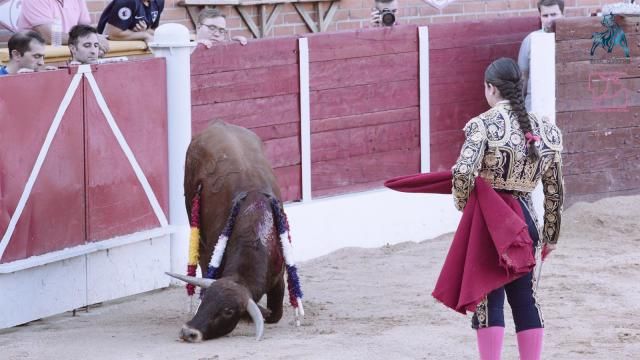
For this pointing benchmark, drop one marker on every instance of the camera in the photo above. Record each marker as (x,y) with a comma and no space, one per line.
(387,17)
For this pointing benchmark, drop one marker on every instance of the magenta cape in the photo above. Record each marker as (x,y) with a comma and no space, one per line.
(490,248)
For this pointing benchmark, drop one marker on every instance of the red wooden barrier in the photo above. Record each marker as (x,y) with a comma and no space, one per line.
(86,189)
(370,75)
(116,203)
(56,197)
(364,96)
(459,54)
(257,87)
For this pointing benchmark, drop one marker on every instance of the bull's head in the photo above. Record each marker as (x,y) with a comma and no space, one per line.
(225,302)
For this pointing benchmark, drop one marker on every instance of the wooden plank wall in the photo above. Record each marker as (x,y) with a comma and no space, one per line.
(598,110)
(459,54)
(364,108)
(257,87)
(364,95)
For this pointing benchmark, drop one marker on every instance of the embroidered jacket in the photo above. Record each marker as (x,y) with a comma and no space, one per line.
(495,149)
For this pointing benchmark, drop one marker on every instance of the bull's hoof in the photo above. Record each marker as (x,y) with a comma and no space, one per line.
(190,335)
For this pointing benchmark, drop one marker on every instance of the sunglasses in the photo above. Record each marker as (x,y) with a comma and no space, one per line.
(215,29)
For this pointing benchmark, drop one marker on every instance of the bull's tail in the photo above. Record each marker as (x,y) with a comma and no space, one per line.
(293,281)
(194,239)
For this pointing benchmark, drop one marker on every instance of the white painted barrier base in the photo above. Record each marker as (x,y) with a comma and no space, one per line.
(50,289)
(368,219)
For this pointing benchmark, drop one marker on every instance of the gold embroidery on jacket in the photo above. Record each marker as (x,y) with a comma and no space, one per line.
(495,149)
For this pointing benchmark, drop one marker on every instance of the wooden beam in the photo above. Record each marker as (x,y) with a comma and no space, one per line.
(328,16)
(305,16)
(320,11)
(249,22)
(262,9)
(272,18)
(190,9)
(267,20)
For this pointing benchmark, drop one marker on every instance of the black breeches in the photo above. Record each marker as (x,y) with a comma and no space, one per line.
(520,293)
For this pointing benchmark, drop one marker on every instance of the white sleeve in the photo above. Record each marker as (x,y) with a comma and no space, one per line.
(524,54)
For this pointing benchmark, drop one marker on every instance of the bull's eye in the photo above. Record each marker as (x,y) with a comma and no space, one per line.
(227,312)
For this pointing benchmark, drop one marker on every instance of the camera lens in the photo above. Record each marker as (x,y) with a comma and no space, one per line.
(387,17)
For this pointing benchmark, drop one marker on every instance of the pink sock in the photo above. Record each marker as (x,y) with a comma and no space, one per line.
(530,344)
(490,342)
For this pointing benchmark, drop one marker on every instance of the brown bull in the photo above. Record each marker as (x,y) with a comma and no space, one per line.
(226,164)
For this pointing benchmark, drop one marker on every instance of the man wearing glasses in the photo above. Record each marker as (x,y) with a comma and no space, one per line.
(212,29)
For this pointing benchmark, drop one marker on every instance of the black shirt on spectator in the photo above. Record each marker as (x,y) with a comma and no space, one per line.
(125,14)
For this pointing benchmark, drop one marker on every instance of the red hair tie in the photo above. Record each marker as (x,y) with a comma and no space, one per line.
(530,137)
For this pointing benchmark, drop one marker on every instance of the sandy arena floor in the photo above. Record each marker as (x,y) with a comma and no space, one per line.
(376,304)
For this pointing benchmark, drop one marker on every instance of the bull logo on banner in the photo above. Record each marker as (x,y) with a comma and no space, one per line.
(9,13)
(612,36)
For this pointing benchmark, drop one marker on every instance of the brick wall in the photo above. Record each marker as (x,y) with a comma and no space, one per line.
(355,13)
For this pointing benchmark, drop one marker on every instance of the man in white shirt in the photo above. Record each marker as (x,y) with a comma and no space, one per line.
(550,10)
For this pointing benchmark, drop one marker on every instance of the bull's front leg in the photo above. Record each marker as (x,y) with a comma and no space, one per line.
(274,302)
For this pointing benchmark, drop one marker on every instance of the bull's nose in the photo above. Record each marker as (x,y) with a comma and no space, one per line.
(190,335)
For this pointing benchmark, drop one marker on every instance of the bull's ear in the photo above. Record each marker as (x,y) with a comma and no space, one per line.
(204,283)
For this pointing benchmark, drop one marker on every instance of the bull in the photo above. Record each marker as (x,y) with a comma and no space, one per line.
(240,199)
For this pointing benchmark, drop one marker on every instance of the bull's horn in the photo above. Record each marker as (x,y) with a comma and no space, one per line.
(256,316)
(204,283)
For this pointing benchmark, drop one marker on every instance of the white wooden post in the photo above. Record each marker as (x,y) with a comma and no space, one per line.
(305,119)
(172,42)
(543,92)
(425,106)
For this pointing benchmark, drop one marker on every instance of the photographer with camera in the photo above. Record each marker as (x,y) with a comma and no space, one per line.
(384,13)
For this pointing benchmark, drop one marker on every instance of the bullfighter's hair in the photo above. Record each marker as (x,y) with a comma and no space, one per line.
(218,250)
(194,239)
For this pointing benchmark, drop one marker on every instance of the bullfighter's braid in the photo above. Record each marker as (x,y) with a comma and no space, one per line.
(505,75)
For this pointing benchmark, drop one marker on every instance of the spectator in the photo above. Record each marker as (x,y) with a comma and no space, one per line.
(212,29)
(83,44)
(40,16)
(131,19)
(550,11)
(26,53)
(384,13)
